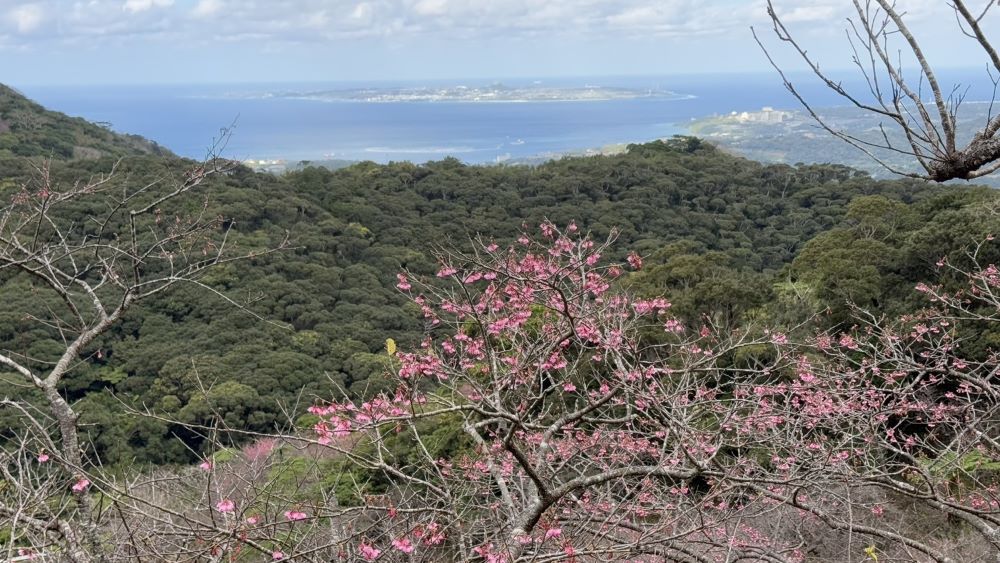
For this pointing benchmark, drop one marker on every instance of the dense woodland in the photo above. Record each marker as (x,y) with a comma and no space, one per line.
(724,238)
(731,243)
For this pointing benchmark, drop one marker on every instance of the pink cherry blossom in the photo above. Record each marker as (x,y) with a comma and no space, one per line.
(43,457)
(847,341)
(294,515)
(821,411)
(634,260)
(277,555)
(225,506)
(205,465)
(369,552)
(403,544)
(81,485)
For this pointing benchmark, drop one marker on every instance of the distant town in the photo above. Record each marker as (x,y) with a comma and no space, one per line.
(274,166)
(767,114)
(790,137)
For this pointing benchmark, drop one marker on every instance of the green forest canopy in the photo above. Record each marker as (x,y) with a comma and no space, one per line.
(728,240)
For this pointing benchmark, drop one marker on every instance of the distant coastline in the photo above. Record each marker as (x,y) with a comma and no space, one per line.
(495,93)
(523,120)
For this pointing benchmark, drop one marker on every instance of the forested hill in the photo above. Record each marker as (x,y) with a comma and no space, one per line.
(721,236)
(28,129)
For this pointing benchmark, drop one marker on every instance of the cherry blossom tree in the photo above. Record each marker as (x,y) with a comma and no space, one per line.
(597,427)
(549,416)
(91,251)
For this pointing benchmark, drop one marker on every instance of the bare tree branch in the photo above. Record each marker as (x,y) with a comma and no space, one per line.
(931,134)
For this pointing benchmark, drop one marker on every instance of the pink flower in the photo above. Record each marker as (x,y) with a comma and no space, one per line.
(848,342)
(487,553)
(569,387)
(433,534)
(403,544)
(404,283)
(674,326)
(553,533)
(81,485)
(634,260)
(294,515)
(205,465)
(225,506)
(253,519)
(369,552)
(43,457)
(277,555)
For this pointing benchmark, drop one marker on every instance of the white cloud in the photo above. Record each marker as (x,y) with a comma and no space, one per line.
(431,7)
(812,14)
(136,6)
(27,17)
(207,8)
(362,12)
(318,20)
(304,21)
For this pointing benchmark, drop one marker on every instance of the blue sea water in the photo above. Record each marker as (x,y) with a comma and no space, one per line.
(187,119)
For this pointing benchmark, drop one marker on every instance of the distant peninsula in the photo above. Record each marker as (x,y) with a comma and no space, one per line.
(474,94)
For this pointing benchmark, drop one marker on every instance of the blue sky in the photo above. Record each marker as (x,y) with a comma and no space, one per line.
(198,41)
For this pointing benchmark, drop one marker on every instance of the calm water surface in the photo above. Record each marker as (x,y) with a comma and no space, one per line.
(186,119)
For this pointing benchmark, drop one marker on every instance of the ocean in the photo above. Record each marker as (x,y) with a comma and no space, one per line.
(187,118)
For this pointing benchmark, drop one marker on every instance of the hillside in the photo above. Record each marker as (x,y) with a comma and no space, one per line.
(355,228)
(319,384)
(721,235)
(29,130)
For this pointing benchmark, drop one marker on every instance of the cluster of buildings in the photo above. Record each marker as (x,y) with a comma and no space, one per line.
(767,114)
(263,165)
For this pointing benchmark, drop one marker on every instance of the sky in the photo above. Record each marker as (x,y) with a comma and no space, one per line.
(63,42)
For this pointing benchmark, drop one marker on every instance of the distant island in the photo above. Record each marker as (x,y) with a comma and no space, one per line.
(474,94)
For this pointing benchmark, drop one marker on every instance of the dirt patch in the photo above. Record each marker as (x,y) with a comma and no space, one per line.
(4,126)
